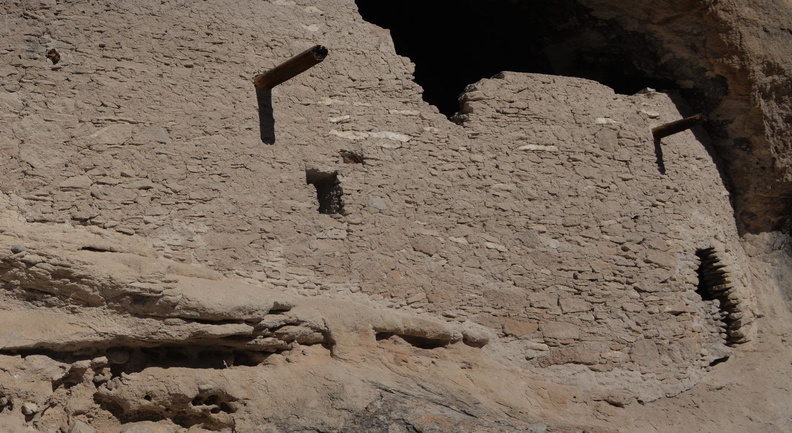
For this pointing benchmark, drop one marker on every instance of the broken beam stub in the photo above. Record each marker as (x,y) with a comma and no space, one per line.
(290,68)
(350,157)
(671,128)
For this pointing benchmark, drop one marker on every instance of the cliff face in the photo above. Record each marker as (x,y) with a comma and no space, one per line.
(733,58)
(543,264)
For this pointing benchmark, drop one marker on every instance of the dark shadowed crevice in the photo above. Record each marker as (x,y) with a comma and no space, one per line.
(97,249)
(418,342)
(136,359)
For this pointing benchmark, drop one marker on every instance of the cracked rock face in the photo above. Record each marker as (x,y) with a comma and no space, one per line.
(543,265)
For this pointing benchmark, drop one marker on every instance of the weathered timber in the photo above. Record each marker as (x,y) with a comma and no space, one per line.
(290,68)
(676,126)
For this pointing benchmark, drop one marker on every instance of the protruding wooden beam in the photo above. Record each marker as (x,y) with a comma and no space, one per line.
(290,68)
(674,127)
(350,157)
(54,56)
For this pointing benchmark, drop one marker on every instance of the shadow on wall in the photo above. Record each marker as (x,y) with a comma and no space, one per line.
(266,116)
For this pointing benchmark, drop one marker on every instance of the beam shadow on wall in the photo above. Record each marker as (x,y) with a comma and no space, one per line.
(266,116)
(658,147)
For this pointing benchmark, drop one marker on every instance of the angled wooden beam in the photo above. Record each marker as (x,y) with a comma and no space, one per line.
(290,68)
(277,75)
(676,126)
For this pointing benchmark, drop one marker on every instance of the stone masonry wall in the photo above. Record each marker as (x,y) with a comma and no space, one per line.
(545,217)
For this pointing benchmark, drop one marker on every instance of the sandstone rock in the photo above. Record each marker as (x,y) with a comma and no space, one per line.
(573,305)
(146,427)
(81,427)
(77,182)
(586,353)
(537,428)
(377,203)
(29,408)
(645,353)
(519,328)
(151,134)
(560,331)
(111,135)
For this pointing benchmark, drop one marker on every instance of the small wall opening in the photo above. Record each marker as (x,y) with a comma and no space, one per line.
(328,190)
(714,285)
(454,43)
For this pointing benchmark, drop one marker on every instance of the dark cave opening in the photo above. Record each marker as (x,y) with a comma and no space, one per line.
(454,43)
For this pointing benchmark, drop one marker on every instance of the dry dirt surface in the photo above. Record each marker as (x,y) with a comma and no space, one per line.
(181,253)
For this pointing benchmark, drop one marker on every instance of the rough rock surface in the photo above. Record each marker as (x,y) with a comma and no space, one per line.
(732,58)
(544,266)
